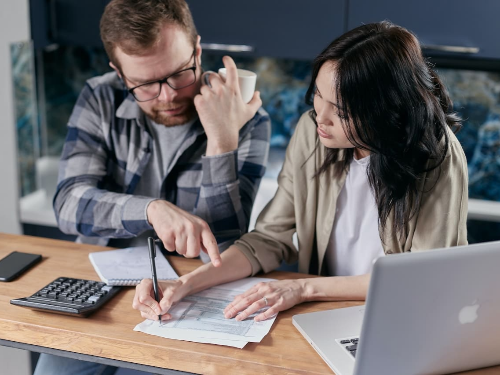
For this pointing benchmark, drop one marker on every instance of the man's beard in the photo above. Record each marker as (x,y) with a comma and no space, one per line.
(188,113)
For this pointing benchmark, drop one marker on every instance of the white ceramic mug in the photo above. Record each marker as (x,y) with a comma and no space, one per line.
(246,79)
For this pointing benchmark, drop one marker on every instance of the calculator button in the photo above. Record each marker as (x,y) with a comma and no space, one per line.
(94,299)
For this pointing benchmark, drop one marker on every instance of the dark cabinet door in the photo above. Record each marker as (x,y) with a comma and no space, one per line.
(66,22)
(288,29)
(453,28)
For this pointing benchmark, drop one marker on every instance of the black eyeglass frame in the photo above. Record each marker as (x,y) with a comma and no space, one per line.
(165,80)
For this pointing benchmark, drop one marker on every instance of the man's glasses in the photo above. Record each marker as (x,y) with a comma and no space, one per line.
(178,80)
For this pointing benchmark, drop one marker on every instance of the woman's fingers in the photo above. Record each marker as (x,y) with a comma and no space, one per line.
(251,309)
(264,300)
(143,300)
(268,313)
(240,302)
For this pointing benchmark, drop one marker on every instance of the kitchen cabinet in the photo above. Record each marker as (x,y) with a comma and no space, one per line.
(66,22)
(456,29)
(294,29)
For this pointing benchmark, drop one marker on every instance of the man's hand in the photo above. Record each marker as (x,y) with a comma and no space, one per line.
(222,110)
(144,301)
(182,232)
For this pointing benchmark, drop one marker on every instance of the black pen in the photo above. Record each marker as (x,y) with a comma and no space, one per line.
(152,256)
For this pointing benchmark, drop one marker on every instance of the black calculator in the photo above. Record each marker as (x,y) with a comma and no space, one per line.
(70,296)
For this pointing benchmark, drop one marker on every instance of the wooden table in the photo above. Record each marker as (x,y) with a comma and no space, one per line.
(107,336)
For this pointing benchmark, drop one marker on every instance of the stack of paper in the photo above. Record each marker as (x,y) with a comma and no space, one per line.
(200,318)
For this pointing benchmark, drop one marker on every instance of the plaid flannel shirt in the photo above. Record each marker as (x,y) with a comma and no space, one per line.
(107,148)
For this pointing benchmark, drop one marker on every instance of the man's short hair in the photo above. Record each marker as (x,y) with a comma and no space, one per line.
(135,25)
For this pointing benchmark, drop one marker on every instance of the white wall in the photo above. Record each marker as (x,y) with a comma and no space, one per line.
(14,27)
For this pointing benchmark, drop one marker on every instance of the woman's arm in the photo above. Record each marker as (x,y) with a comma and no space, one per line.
(234,266)
(279,295)
(284,294)
(336,288)
(442,217)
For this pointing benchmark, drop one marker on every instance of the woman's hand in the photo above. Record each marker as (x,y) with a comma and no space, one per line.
(277,295)
(170,292)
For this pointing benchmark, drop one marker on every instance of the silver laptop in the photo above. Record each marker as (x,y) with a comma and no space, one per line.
(431,312)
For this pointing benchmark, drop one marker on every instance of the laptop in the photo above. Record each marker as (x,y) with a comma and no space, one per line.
(432,312)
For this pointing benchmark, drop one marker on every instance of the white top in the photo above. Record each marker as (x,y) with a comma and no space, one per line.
(355,241)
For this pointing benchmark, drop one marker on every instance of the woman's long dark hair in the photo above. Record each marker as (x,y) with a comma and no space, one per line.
(396,107)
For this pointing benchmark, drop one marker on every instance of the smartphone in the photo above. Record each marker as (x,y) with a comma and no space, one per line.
(16,263)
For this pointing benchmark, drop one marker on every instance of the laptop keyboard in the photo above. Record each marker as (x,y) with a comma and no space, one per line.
(350,344)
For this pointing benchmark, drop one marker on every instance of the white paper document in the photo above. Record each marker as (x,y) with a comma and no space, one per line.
(200,318)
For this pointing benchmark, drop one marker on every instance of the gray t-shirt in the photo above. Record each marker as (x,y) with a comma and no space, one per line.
(167,141)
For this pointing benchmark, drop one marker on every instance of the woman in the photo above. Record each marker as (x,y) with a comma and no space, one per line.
(373,170)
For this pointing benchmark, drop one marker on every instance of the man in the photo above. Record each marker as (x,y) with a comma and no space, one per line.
(151,148)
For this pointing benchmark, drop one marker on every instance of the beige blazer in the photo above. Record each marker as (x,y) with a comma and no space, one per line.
(306,205)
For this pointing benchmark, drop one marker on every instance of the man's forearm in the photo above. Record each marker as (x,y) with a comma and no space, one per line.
(220,201)
(120,215)
(234,266)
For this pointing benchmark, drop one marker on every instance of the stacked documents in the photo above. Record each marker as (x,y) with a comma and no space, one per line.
(200,318)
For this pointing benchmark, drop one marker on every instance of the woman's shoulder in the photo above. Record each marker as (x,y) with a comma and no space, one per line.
(305,134)
(455,149)
(454,165)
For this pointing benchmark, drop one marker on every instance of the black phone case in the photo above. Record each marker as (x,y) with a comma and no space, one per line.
(36,258)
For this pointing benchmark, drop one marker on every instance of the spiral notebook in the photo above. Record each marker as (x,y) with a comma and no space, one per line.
(129,266)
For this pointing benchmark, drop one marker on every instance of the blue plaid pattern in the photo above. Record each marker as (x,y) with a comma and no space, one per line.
(107,149)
